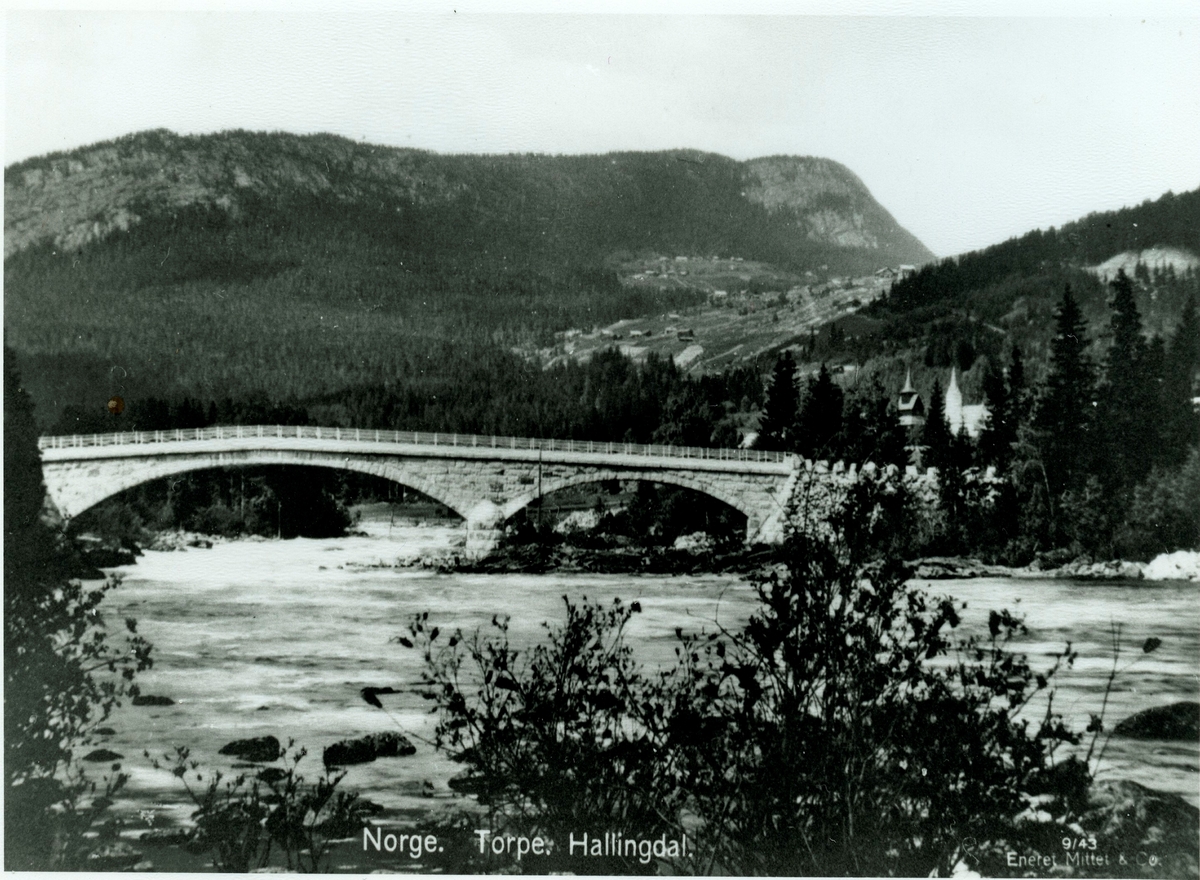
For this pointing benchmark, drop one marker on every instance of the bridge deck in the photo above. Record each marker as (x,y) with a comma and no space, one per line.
(402,438)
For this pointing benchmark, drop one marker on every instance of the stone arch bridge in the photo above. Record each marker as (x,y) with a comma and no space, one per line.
(483,479)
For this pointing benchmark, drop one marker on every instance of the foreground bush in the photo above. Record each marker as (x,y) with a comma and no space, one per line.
(565,738)
(843,730)
(271,818)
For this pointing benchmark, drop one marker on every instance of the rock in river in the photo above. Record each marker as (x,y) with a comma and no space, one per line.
(368,748)
(113,857)
(152,700)
(1176,721)
(257,749)
(99,755)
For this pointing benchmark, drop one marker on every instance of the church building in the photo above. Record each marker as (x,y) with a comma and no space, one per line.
(959,416)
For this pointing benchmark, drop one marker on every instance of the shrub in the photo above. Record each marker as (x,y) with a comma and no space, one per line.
(563,738)
(243,820)
(839,738)
(843,730)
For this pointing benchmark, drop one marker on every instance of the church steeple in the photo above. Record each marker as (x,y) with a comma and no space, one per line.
(959,416)
(954,403)
(910,405)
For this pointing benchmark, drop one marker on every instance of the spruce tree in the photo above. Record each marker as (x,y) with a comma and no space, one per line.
(1063,415)
(1180,429)
(778,422)
(999,430)
(871,429)
(819,424)
(1128,406)
(1018,393)
(935,435)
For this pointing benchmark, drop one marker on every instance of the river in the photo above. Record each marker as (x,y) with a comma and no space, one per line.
(278,637)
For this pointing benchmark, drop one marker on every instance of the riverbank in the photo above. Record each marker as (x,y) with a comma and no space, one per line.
(685,558)
(1182,565)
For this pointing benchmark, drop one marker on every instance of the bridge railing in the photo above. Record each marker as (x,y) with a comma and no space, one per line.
(408,438)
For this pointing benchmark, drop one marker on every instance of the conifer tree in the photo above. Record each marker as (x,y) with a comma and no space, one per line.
(1063,415)
(935,435)
(1018,393)
(1128,403)
(777,425)
(1180,424)
(819,424)
(999,430)
(871,430)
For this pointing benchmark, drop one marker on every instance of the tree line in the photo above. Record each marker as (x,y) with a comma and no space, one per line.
(608,398)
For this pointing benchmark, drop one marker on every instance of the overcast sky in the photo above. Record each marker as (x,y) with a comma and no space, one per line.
(968,129)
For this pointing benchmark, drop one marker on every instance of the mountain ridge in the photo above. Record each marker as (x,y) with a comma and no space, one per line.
(812,209)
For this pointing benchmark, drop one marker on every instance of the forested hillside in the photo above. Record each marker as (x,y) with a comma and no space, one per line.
(246,264)
(952,310)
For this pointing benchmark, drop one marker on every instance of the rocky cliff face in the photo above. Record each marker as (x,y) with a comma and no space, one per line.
(598,202)
(83,196)
(833,202)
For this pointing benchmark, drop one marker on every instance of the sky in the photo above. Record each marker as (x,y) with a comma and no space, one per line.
(968,128)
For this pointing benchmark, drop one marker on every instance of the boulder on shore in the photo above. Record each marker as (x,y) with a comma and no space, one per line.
(1131,818)
(259,749)
(366,749)
(1182,565)
(1109,570)
(1177,721)
(934,568)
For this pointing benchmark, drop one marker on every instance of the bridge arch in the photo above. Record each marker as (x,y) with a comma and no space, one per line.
(84,494)
(666,477)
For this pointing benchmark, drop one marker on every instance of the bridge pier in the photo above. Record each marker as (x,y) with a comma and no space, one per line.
(485,527)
